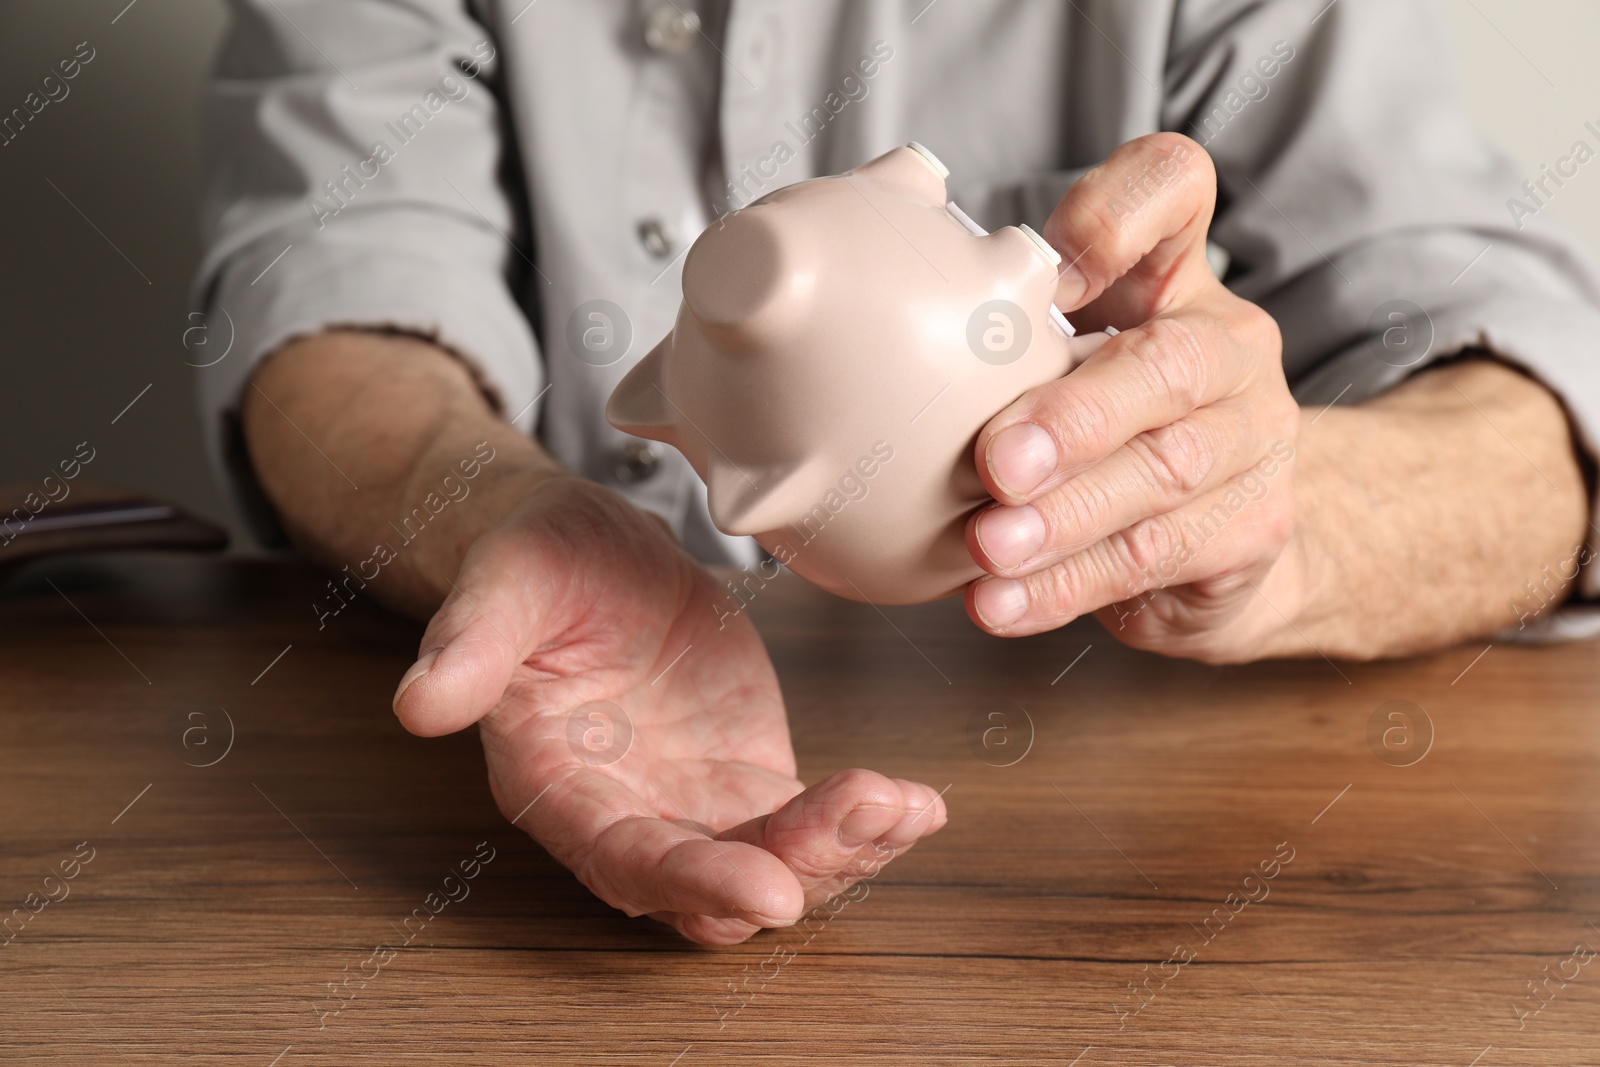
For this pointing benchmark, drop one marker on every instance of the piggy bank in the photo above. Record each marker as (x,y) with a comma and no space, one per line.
(840,344)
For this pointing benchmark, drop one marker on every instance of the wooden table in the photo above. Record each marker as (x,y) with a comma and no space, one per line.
(1392,901)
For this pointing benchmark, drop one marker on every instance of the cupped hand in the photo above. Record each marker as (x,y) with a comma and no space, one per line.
(1154,484)
(633,725)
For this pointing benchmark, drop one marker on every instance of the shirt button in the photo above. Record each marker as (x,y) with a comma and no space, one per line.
(634,462)
(671,30)
(656,238)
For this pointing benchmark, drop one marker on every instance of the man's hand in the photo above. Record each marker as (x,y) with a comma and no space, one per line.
(1172,485)
(637,736)
(563,602)
(1166,460)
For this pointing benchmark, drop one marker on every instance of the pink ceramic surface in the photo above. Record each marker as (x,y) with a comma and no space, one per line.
(841,343)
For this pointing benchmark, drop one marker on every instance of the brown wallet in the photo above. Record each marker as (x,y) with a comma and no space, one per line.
(93,518)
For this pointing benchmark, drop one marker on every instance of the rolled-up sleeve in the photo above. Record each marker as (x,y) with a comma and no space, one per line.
(1367,213)
(353,155)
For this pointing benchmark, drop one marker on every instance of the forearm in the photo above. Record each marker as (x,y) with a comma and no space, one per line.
(353,435)
(1422,515)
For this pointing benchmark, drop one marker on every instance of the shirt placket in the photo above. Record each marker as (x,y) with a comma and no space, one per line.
(662,210)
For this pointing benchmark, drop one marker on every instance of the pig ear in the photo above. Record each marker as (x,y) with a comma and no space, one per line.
(638,405)
(746,500)
(913,170)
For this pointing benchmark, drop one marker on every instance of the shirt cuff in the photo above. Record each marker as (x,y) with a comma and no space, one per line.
(355,273)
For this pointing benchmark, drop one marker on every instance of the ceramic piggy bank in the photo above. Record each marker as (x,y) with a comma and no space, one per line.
(841,343)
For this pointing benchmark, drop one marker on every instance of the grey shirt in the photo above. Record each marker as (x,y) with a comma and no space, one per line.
(483,172)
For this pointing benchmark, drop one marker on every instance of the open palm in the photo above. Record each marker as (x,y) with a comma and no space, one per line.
(634,734)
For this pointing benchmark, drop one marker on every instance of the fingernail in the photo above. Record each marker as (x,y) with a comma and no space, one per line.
(418,669)
(1010,536)
(1022,456)
(1071,284)
(1000,602)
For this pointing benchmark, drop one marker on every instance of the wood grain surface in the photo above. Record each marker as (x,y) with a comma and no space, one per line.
(1180,864)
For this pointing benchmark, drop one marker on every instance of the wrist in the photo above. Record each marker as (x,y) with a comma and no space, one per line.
(464,486)
(1397,552)
(1319,600)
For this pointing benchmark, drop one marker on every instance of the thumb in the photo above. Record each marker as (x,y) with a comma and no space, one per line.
(570,553)
(1144,211)
(479,636)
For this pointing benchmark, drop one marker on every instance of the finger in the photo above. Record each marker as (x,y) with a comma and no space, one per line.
(691,874)
(1225,531)
(471,650)
(613,840)
(705,930)
(1143,214)
(571,554)
(1156,472)
(843,828)
(1143,378)
(490,623)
